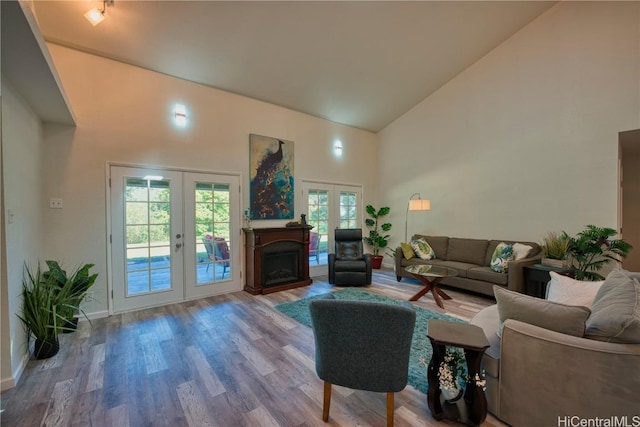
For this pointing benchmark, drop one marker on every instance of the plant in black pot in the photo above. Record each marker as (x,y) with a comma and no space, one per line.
(593,248)
(41,303)
(73,287)
(377,239)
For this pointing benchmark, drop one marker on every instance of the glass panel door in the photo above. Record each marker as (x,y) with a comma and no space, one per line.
(146,214)
(328,206)
(211,245)
(175,236)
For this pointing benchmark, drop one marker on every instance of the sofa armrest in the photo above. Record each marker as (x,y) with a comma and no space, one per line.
(545,375)
(399,255)
(515,272)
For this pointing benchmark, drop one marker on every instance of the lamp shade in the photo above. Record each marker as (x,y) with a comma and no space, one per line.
(419,205)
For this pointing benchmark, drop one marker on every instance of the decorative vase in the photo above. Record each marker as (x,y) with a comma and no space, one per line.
(376,261)
(451,395)
(557,263)
(46,348)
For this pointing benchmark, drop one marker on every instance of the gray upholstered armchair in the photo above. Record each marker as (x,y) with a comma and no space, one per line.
(362,345)
(349,265)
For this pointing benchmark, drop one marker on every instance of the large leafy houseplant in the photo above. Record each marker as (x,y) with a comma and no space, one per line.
(42,304)
(593,248)
(73,287)
(377,239)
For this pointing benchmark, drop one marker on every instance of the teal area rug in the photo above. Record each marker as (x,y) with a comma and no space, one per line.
(420,345)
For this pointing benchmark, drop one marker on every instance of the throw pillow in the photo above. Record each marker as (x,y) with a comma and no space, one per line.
(422,249)
(407,251)
(554,316)
(615,313)
(521,251)
(569,291)
(501,257)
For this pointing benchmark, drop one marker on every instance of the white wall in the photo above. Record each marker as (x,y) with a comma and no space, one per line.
(23,180)
(124,115)
(525,141)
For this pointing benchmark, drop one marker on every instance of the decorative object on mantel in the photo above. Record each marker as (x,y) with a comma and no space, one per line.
(271,178)
(555,249)
(301,223)
(376,239)
(247,219)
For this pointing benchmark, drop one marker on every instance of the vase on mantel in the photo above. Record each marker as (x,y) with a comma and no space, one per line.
(557,263)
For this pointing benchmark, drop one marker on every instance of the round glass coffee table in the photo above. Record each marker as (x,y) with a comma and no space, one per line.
(430,275)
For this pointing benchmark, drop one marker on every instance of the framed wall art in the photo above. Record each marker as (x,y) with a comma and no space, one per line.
(271,178)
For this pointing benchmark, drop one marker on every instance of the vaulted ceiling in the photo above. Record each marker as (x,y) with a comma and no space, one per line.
(362,64)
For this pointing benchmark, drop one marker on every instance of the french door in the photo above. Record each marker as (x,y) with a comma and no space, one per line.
(174,236)
(329,206)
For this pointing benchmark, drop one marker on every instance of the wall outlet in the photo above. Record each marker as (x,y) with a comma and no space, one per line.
(88,297)
(55,203)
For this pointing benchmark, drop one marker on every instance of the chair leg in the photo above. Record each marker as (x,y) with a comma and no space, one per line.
(390,404)
(327,401)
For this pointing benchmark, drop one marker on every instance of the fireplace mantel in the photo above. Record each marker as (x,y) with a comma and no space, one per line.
(285,250)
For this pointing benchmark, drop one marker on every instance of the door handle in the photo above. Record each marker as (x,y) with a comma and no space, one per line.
(178,246)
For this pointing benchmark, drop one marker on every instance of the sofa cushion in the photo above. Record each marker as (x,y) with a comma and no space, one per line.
(422,249)
(554,316)
(615,313)
(488,275)
(471,251)
(518,246)
(407,250)
(488,319)
(461,267)
(438,244)
(569,291)
(521,250)
(502,254)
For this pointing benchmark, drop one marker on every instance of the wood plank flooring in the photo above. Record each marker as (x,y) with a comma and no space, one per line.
(230,360)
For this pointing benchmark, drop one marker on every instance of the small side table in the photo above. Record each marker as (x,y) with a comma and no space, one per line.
(473,341)
(536,278)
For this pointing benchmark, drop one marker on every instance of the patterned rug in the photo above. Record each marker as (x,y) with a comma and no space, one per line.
(420,346)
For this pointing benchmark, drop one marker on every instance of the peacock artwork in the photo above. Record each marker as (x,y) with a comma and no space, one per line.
(271,176)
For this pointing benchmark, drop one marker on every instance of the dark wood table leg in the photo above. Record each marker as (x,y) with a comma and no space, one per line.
(423,291)
(474,396)
(430,285)
(433,393)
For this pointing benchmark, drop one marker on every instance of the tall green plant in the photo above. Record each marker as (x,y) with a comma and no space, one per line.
(593,248)
(71,288)
(41,305)
(377,239)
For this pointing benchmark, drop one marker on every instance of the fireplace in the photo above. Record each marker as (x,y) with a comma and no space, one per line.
(276,259)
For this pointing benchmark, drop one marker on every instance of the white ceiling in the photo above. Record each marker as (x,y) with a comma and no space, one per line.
(363,64)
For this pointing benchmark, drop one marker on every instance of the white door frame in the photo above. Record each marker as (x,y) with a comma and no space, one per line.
(238,269)
(334,189)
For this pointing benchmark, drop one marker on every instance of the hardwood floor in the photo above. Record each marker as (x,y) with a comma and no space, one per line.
(228,360)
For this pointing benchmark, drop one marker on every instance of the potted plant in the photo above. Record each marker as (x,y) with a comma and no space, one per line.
(555,249)
(376,239)
(593,248)
(41,304)
(73,287)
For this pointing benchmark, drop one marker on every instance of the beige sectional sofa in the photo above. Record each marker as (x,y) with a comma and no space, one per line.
(472,259)
(542,377)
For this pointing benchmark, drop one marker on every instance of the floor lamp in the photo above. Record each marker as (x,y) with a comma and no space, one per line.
(415,204)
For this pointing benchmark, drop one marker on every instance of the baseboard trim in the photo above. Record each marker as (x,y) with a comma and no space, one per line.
(11,382)
(95,315)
